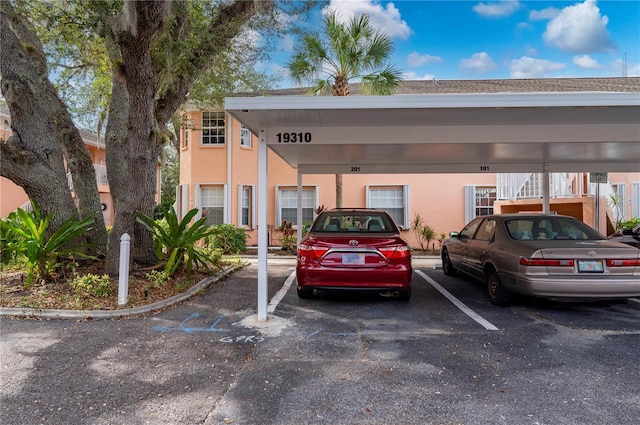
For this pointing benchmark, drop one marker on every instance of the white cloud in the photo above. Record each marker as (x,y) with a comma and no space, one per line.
(387,19)
(579,29)
(496,9)
(527,67)
(416,59)
(478,63)
(617,69)
(524,26)
(544,14)
(413,76)
(586,62)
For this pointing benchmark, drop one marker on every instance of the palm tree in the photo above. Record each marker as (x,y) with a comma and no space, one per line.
(341,53)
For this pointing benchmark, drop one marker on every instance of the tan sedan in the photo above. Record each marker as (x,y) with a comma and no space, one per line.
(544,255)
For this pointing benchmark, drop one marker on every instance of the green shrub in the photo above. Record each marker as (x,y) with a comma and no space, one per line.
(98,286)
(176,242)
(27,233)
(289,238)
(629,224)
(157,278)
(228,238)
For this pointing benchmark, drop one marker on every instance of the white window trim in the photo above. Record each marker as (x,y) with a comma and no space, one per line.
(405,198)
(252,211)
(277,196)
(198,196)
(250,142)
(181,205)
(224,117)
(635,199)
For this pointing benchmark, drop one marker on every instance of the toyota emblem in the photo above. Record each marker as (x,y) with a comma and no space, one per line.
(592,253)
(353,242)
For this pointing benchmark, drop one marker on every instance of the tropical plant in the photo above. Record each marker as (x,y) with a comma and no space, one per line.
(176,241)
(228,238)
(43,252)
(343,52)
(97,286)
(289,239)
(423,232)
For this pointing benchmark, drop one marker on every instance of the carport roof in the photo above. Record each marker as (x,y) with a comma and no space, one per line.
(590,124)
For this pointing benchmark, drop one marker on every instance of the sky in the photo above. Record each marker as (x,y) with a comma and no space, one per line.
(455,39)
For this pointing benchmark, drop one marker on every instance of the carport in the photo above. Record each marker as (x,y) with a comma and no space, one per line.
(439,133)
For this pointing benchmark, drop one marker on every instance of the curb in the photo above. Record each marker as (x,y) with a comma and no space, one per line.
(112,314)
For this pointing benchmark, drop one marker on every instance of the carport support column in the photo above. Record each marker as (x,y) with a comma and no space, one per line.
(299,209)
(263,234)
(546,208)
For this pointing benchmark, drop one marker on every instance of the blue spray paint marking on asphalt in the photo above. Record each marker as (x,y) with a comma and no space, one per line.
(181,326)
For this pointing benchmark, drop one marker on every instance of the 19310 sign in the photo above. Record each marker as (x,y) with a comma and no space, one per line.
(301,137)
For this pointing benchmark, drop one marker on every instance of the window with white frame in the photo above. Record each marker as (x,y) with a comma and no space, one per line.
(246,210)
(287,208)
(185,137)
(245,136)
(212,204)
(478,201)
(392,199)
(213,128)
(485,197)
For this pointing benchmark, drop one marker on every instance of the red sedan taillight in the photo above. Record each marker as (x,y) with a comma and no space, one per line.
(312,252)
(395,252)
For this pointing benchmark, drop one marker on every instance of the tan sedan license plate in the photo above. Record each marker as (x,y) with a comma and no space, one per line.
(590,266)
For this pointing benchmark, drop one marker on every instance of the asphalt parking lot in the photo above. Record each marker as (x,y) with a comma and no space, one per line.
(445,357)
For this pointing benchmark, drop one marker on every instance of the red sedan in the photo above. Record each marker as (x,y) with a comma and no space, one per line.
(354,250)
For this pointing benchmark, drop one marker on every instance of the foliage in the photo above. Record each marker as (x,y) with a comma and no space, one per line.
(98,286)
(629,224)
(170,176)
(289,238)
(344,52)
(157,278)
(43,253)
(228,238)
(176,242)
(423,232)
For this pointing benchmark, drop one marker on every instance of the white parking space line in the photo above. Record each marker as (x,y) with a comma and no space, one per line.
(466,310)
(273,304)
(635,300)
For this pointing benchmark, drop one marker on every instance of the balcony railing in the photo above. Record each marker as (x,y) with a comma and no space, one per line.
(101,176)
(531,185)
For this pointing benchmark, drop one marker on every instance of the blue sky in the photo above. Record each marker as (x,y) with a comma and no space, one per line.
(500,39)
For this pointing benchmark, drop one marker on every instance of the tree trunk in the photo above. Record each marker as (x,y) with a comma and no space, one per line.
(134,152)
(43,133)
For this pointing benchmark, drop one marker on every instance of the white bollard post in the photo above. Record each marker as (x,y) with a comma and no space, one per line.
(123,278)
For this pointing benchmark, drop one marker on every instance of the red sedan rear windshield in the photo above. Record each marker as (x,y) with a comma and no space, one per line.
(369,222)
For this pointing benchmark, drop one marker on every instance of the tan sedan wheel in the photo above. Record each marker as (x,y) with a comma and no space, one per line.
(497,294)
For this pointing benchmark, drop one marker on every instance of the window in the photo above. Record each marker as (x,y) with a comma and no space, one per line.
(246,210)
(485,232)
(392,199)
(478,201)
(185,137)
(212,204)
(213,128)
(470,229)
(287,208)
(245,136)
